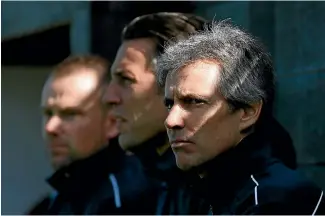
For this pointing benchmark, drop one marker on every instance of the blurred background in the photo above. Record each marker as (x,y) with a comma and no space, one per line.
(37,35)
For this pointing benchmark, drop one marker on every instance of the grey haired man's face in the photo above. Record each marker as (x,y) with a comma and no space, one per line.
(200,125)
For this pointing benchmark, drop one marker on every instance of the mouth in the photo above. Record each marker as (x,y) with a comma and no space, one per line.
(58,150)
(118,117)
(56,145)
(120,123)
(179,143)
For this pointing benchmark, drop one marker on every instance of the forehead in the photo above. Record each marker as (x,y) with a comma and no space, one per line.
(70,90)
(136,51)
(200,77)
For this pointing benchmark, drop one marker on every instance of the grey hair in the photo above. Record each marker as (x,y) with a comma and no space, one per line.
(246,68)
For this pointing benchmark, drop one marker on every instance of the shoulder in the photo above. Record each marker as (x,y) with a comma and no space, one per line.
(41,206)
(281,190)
(126,189)
(133,178)
(130,180)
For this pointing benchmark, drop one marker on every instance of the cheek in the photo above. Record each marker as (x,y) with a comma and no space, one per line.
(221,135)
(214,130)
(145,99)
(77,131)
(147,87)
(83,140)
(200,123)
(132,100)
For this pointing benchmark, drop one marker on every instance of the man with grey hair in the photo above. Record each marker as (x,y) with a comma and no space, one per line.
(219,90)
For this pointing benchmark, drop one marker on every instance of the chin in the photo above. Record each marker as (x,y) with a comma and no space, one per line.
(59,161)
(184,167)
(184,163)
(126,142)
(187,162)
(58,165)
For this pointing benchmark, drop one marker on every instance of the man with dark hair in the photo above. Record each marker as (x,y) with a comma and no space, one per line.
(138,105)
(92,173)
(219,90)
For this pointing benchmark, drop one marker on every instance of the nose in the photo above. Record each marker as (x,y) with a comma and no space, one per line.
(111,96)
(52,126)
(175,119)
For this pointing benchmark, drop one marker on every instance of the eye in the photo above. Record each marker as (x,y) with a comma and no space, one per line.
(193,101)
(48,113)
(124,80)
(69,114)
(168,103)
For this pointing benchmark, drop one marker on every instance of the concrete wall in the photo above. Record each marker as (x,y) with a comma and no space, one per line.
(294,33)
(23,18)
(300,54)
(257,17)
(24,162)
(237,11)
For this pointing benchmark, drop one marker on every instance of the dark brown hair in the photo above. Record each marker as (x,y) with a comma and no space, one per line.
(163,26)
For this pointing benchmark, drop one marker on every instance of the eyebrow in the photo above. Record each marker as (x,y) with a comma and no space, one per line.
(190,95)
(65,109)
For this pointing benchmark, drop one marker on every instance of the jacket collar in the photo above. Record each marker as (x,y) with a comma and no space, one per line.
(160,165)
(148,152)
(228,172)
(81,176)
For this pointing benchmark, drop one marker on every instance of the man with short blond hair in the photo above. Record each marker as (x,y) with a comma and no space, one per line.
(76,123)
(92,172)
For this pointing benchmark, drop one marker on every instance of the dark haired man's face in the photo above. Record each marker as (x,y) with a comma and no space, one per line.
(200,125)
(133,92)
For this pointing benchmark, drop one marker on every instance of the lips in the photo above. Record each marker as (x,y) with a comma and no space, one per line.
(180,143)
(58,149)
(120,123)
(56,145)
(177,140)
(118,117)
(120,120)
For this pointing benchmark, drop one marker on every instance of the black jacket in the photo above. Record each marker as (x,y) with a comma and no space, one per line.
(109,182)
(248,180)
(282,144)
(174,197)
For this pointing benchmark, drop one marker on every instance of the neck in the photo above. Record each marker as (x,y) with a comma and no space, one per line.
(247,144)
(158,144)
(158,158)
(220,178)
(81,174)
